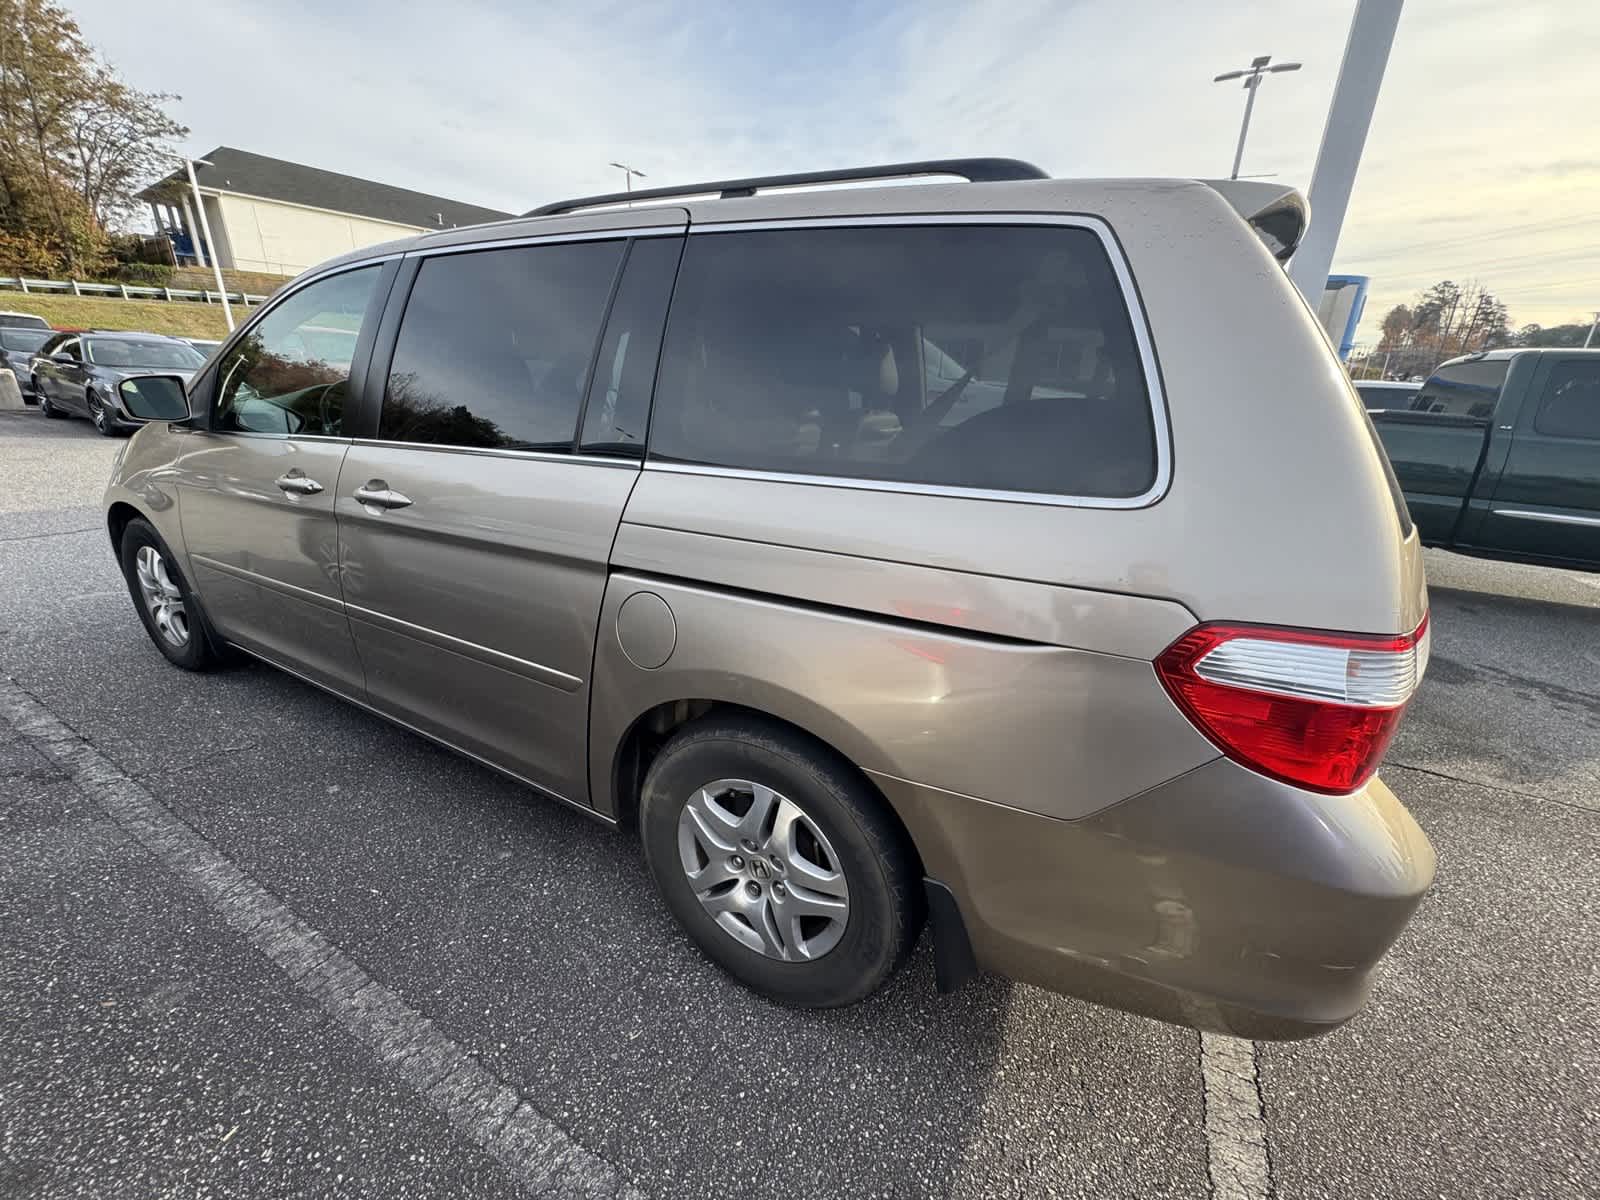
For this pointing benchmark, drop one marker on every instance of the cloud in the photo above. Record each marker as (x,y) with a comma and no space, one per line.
(511,104)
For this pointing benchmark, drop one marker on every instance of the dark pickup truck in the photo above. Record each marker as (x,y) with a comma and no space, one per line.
(1498,454)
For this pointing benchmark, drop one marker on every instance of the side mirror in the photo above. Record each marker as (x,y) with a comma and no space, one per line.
(65,360)
(154,398)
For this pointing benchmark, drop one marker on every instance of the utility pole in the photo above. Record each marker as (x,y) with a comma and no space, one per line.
(1592,325)
(627,175)
(1355,95)
(211,246)
(1252,76)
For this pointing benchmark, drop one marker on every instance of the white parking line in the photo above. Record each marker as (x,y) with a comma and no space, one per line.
(1236,1135)
(480,1106)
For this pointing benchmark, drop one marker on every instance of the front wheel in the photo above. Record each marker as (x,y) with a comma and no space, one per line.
(168,608)
(101,416)
(779,861)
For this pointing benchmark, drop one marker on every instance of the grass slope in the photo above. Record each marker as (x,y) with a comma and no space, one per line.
(180,318)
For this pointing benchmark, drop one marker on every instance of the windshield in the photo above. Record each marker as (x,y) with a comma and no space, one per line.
(25,340)
(114,352)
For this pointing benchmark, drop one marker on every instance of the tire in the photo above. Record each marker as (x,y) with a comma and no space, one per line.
(817,961)
(197,648)
(102,417)
(48,409)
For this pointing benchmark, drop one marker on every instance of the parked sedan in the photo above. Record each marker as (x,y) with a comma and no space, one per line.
(18,345)
(77,374)
(21,320)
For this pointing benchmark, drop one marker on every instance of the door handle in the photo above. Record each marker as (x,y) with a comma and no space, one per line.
(376,496)
(295,483)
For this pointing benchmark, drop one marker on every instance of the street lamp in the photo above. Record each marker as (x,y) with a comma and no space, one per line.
(205,231)
(1252,76)
(627,175)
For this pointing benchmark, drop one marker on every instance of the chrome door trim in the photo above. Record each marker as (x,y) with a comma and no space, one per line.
(537,672)
(366,706)
(292,590)
(1522,514)
(1137,319)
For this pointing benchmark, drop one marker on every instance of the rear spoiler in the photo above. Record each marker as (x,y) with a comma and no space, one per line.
(1278,214)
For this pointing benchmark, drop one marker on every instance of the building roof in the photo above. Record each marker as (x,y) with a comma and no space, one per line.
(274,179)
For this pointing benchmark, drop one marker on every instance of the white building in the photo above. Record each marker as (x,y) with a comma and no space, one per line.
(270,215)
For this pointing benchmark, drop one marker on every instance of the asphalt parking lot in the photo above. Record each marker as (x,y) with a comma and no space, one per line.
(155,1041)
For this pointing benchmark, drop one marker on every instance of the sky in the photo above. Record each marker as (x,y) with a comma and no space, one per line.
(1483,162)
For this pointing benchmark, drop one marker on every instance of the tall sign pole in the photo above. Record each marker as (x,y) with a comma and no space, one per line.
(1366,54)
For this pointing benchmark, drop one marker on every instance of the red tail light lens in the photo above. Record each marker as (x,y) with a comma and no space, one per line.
(1313,709)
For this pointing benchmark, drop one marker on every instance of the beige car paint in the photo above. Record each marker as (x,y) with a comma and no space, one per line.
(984,662)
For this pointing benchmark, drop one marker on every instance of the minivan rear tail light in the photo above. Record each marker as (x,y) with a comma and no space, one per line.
(1313,709)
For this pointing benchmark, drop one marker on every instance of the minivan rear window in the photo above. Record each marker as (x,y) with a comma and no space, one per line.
(972,356)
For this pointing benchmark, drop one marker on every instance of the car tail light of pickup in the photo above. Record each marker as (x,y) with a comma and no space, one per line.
(1313,709)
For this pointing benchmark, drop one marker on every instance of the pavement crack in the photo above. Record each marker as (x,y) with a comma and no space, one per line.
(28,537)
(209,757)
(1493,787)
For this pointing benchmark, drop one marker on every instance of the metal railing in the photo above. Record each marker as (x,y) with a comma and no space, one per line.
(124,291)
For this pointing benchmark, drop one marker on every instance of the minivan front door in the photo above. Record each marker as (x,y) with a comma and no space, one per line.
(476,529)
(256,489)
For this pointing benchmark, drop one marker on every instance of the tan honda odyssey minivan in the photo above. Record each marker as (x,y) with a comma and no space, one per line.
(1008,554)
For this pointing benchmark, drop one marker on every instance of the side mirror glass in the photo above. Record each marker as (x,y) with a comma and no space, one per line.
(154,398)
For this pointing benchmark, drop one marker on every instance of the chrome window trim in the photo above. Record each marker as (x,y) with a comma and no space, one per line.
(1137,318)
(598,460)
(548,239)
(281,437)
(1555,518)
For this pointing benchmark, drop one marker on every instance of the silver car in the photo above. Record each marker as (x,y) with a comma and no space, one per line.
(1010,557)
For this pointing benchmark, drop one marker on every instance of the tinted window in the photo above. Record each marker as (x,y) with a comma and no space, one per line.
(495,346)
(1385,396)
(23,321)
(117,352)
(619,394)
(971,356)
(1464,389)
(72,348)
(1570,406)
(24,341)
(291,372)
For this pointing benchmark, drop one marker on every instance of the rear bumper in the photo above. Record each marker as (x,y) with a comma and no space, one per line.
(1221,899)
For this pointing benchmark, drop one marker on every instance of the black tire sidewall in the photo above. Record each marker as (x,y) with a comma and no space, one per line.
(106,424)
(197,654)
(883,900)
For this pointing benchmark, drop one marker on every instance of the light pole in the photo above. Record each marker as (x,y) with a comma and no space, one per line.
(1592,325)
(1355,96)
(211,246)
(1252,76)
(627,175)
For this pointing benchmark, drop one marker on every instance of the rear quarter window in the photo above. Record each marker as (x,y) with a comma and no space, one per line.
(1464,389)
(1000,358)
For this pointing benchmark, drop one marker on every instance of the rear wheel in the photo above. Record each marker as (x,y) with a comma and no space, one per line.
(779,861)
(166,604)
(48,409)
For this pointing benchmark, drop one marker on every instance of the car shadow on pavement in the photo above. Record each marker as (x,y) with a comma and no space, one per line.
(533,936)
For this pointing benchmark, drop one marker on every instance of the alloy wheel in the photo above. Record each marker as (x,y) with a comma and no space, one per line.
(763,870)
(162,597)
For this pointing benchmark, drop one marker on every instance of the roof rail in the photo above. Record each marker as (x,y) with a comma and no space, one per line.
(973,170)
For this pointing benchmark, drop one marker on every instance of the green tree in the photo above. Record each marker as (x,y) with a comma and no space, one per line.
(74,139)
